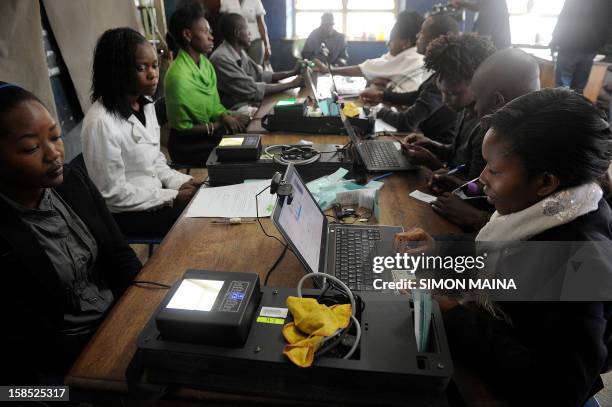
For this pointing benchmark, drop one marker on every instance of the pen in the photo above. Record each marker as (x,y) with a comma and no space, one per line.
(232,221)
(381,176)
(456,169)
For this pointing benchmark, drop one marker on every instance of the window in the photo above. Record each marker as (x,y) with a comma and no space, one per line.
(358,19)
(532,21)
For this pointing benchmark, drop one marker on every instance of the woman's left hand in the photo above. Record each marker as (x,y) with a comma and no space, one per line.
(267,53)
(459,211)
(231,123)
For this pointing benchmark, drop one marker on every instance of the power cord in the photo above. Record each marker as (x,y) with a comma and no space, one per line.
(151,283)
(351,298)
(259,220)
(276,263)
(285,154)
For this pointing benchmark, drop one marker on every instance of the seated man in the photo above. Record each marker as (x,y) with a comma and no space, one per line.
(333,40)
(454,59)
(401,69)
(426,112)
(239,79)
(503,77)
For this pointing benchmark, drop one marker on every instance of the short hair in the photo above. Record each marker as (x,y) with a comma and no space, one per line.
(114,67)
(228,23)
(10,97)
(443,24)
(407,26)
(183,17)
(556,131)
(455,57)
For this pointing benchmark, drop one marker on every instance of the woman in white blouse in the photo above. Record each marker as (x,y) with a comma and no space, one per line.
(121,139)
(254,13)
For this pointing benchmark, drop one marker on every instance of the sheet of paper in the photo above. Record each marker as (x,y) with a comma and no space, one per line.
(233,201)
(382,126)
(422,196)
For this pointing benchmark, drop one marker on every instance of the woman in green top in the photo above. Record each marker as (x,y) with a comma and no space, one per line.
(197,118)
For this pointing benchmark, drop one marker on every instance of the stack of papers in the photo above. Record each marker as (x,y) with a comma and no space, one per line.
(233,201)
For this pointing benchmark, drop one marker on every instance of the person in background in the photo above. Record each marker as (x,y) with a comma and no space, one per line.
(426,111)
(554,352)
(582,29)
(454,59)
(253,11)
(333,40)
(64,261)
(197,118)
(241,81)
(504,76)
(121,139)
(493,19)
(401,69)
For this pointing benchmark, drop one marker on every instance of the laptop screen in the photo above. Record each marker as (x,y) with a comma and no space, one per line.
(302,223)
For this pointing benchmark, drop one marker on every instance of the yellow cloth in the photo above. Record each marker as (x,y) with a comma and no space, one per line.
(350,109)
(312,322)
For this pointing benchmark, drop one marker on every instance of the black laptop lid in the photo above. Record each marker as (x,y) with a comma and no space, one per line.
(302,223)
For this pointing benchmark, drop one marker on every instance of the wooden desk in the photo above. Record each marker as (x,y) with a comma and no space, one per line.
(196,243)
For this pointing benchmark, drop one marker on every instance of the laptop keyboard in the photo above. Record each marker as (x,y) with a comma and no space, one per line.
(381,154)
(353,248)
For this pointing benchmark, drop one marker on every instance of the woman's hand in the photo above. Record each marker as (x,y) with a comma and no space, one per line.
(415,240)
(319,66)
(381,82)
(459,211)
(184,196)
(191,184)
(418,155)
(267,52)
(371,96)
(441,182)
(231,123)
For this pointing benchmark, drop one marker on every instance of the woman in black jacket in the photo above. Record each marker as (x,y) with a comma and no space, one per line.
(63,260)
(547,157)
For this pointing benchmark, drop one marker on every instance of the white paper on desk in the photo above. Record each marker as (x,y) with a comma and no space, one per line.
(232,201)
(381,126)
(422,196)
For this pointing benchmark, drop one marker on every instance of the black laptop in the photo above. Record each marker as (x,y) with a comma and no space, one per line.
(377,155)
(344,251)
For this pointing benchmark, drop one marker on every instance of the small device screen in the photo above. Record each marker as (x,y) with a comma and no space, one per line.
(231,141)
(196,295)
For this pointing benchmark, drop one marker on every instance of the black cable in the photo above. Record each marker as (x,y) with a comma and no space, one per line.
(276,263)
(153,283)
(259,220)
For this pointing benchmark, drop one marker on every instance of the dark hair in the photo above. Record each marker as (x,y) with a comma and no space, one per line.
(114,67)
(183,17)
(443,24)
(556,131)
(227,25)
(455,57)
(11,96)
(407,26)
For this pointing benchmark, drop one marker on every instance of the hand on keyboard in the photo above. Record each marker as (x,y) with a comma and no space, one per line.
(414,241)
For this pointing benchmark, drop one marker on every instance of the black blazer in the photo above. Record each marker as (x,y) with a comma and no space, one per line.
(32,300)
(553,353)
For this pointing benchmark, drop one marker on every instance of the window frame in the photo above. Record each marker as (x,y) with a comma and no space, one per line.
(529,11)
(344,11)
